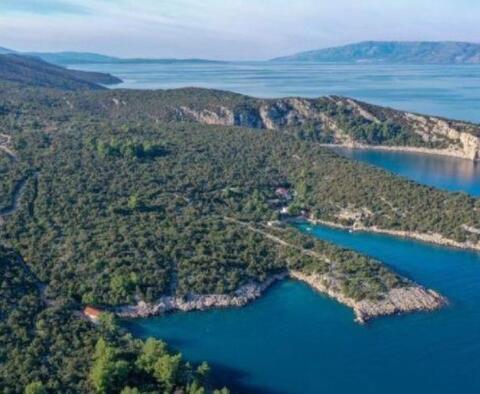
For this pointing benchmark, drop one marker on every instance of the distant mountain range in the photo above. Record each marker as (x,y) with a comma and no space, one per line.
(67,58)
(373,52)
(27,70)
(394,52)
(4,51)
(71,58)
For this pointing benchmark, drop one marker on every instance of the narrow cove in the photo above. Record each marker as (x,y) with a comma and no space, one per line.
(295,340)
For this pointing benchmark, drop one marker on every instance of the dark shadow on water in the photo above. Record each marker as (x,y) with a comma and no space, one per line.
(221,375)
(236,380)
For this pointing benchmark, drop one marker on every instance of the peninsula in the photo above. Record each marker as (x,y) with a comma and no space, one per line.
(143,202)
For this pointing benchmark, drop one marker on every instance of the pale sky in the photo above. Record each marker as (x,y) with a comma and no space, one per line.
(227,29)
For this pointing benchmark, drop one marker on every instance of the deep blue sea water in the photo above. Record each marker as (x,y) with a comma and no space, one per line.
(294,340)
(450,91)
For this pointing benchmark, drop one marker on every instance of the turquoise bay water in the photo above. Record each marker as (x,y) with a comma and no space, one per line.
(294,340)
(446,173)
(450,91)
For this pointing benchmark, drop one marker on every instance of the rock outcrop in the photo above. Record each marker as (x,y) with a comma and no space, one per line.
(241,297)
(410,298)
(458,137)
(440,136)
(406,299)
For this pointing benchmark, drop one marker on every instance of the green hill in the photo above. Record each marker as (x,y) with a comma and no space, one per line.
(36,72)
(398,52)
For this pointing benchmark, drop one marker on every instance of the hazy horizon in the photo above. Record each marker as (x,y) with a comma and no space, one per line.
(239,30)
(67,50)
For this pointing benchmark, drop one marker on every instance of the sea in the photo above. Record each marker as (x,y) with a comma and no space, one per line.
(295,340)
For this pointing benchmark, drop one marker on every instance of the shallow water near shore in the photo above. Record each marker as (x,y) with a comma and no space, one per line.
(294,340)
(447,173)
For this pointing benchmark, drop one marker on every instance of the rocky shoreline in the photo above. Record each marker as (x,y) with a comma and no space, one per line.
(433,238)
(412,298)
(409,298)
(240,297)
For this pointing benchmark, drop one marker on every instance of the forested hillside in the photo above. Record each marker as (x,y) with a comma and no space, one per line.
(330,120)
(108,198)
(46,346)
(111,212)
(35,72)
(141,210)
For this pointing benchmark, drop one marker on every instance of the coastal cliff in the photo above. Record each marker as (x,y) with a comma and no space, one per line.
(326,120)
(350,123)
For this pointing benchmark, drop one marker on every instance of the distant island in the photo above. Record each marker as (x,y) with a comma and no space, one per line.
(393,52)
(4,51)
(68,58)
(366,52)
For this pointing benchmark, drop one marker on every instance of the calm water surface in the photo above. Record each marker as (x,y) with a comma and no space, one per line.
(450,91)
(446,173)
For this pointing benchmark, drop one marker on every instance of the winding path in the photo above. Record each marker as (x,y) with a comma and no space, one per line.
(278,240)
(17,195)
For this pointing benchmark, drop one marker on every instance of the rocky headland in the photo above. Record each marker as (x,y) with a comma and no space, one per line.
(410,298)
(328,120)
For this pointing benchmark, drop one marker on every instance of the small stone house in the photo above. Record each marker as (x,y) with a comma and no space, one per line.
(92,314)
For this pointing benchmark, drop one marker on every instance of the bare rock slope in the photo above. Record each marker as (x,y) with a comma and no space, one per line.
(328,120)
(343,121)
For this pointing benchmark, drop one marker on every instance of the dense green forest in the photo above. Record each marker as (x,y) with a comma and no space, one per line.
(112,212)
(325,120)
(121,196)
(132,223)
(46,346)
